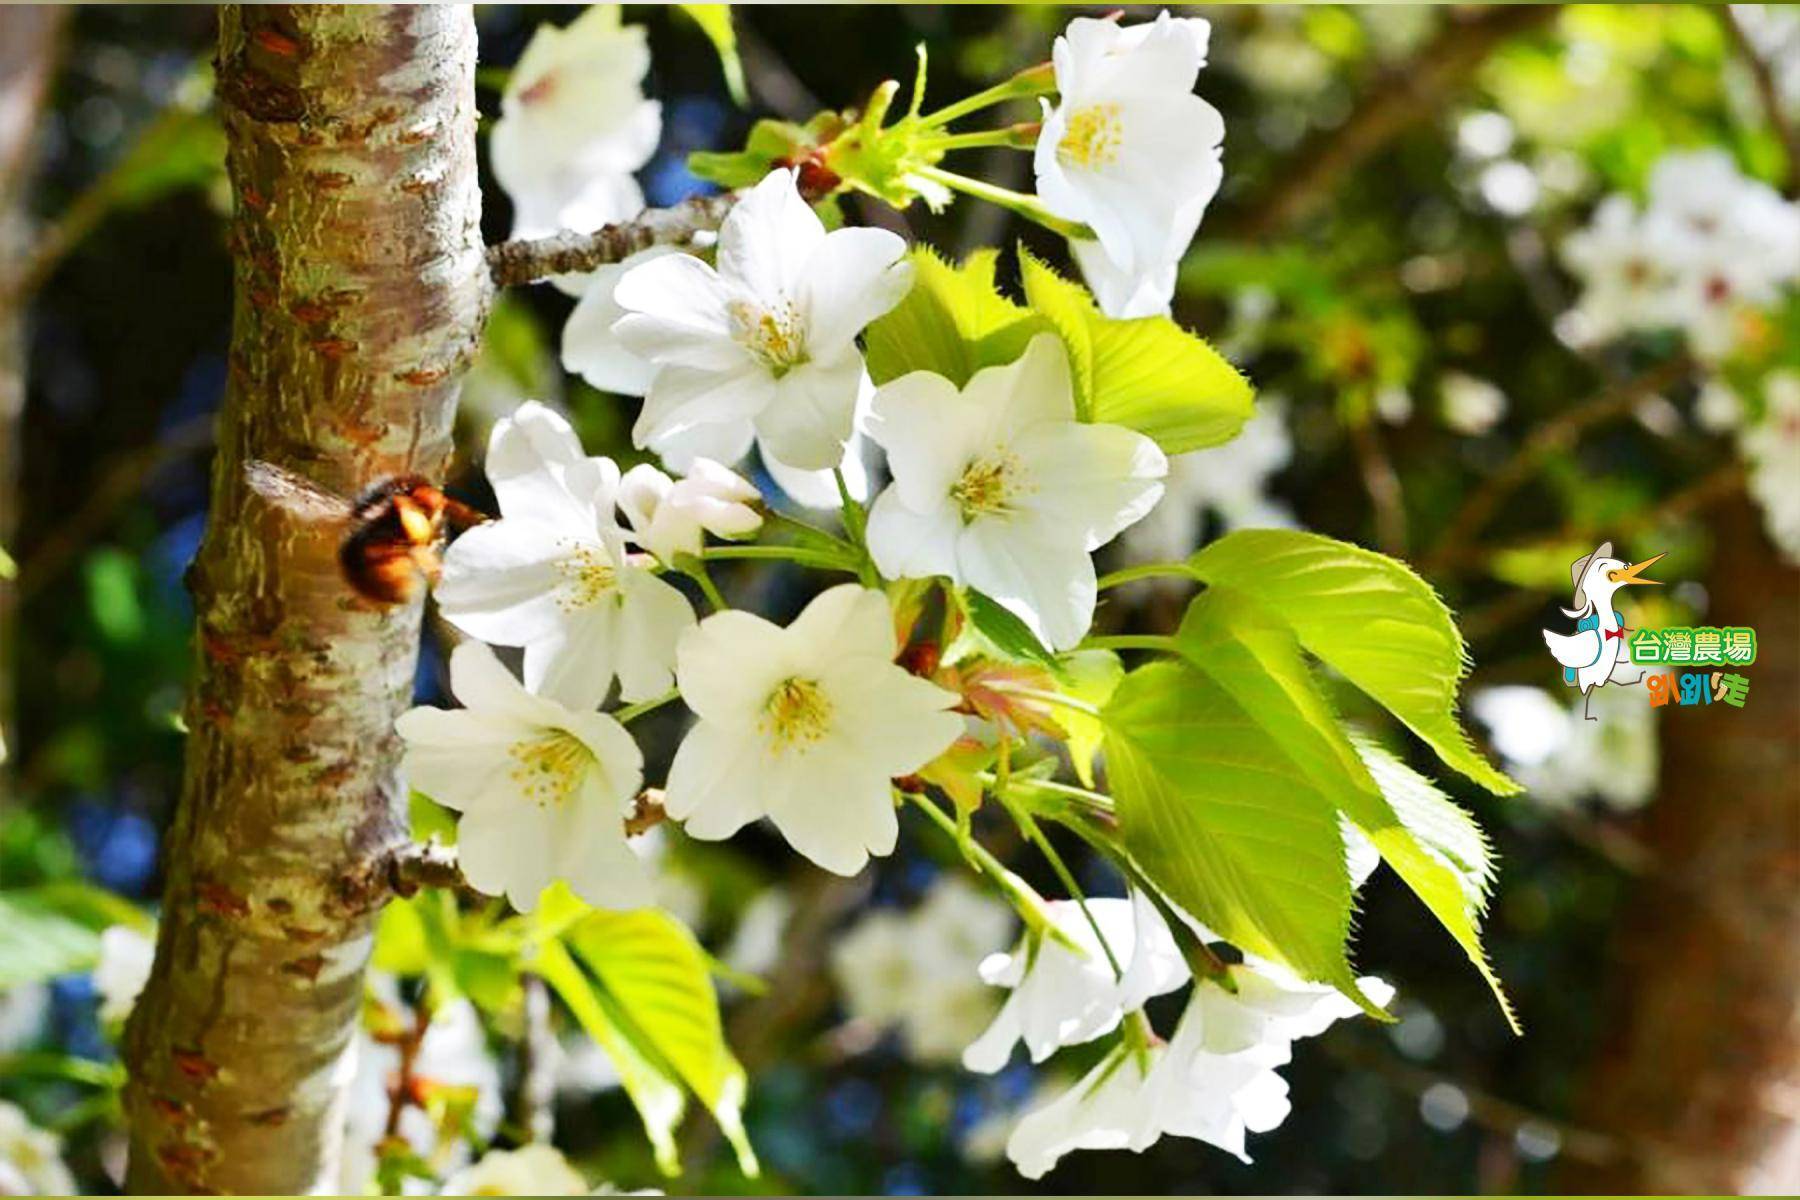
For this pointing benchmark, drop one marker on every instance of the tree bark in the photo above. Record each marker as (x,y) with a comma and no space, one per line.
(361,288)
(28,38)
(1700,1078)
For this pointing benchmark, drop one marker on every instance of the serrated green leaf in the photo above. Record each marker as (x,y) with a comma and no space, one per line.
(1217,815)
(1370,618)
(650,964)
(1147,374)
(715,21)
(1091,676)
(1433,846)
(770,142)
(1004,631)
(953,321)
(654,1092)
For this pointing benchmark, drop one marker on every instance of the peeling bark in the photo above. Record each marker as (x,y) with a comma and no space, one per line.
(28,37)
(361,287)
(1700,1077)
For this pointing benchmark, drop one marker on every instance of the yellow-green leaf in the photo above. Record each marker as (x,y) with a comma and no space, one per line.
(953,321)
(715,21)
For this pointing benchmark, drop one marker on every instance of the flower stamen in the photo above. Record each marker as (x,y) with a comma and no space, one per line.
(988,487)
(549,769)
(589,577)
(1094,136)
(777,338)
(797,713)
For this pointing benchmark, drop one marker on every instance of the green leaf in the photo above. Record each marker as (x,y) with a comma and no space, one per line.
(715,22)
(654,1091)
(1147,374)
(1092,676)
(1217,815)
(1367,616)
(8,568)
(658,975)
(54,929)
(953,322)
(1004,631)
(1430,843)
(770,142)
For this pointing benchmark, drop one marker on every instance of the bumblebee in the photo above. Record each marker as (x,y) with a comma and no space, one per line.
(389,538)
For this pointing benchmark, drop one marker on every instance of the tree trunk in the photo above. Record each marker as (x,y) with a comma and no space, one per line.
(1700,1080)
(28,37)
(360,293)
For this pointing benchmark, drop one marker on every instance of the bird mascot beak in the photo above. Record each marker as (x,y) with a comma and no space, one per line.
(1630,574)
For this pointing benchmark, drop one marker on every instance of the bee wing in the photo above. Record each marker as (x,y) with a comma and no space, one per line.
(295,494)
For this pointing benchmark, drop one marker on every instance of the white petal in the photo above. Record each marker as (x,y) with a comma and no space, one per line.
(726,442)
(499,582)
(1051,588)
(818,489)
(1124,293)
(574,665)
(1035,387)
(811,414)
(989,1053)
(653,617)
(594,856)
(507,850)
(539,471)
(930,433)
(897,721)
(676,314)
(1092,480)
(767,240)
(911,545)
(728,664)
(714,785)
(833,808)
(845,620)
(683,399)
(459,758)
(590,348)
(855,275)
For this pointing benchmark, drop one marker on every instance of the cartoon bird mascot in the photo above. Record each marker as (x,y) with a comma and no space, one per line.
(1595,655)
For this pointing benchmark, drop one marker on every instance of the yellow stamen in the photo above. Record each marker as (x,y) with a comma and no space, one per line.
(988,486)
(588,578)
(776,337)
(550,769)
(1093,137)
(797,713)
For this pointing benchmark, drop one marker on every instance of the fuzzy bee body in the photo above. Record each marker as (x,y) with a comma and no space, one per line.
(389,537)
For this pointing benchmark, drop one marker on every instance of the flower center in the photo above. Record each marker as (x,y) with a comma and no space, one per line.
(1093,136)
(588,577)
(796,713)
(550,768)
(776,337)
(987,487)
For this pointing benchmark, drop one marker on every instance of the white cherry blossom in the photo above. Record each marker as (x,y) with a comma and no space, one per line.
(1215,1080)
(1061,997)
(1000,488)
(531,1170)
(670,517)
(126,955)
(543,789)
(1131,152)
(553,575)
(31,1162)
(804,725)
(574,125)
(917,970)
(764,346)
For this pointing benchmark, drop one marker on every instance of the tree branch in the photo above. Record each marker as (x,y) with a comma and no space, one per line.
(1769,92)
(1398,100)
(530,259)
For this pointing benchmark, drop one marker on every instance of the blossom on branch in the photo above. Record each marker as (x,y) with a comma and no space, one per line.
(1061,997)
(670,517)
(543,789)
(553,575)
(804,725)
(1130,152)
(764,347)
(574,124)
(1000,488)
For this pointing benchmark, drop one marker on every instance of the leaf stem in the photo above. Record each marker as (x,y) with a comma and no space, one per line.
(1132,574)
(695,569)
(1018,137)
(1034,833)
(806,557)
(1038,80)
(1026,902)
(856,524)
(632,712)
(1029,207)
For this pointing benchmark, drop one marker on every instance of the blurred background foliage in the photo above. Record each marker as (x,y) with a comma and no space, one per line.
(1381,262)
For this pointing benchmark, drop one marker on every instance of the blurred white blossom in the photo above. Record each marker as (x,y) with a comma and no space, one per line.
(918,970)
(31,1161)
(1772,448)
(1471,406)
(126,955)
(532,1170)
(1231,481)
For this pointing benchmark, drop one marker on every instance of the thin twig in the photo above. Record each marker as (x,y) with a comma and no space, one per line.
(529,259)
(1551,436)
(1768,90)
(1382,483)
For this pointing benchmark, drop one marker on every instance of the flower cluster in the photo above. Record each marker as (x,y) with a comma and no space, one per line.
(1709,249)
